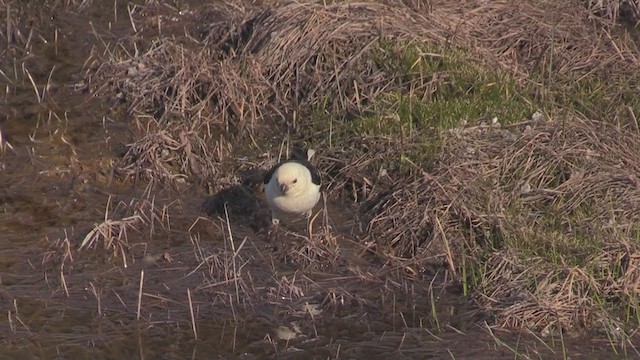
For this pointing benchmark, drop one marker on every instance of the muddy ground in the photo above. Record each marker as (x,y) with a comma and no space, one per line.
(112,245)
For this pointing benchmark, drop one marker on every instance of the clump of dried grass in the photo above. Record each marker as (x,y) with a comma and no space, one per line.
(284,61)
(187,103)
(616,9)
(112,235)
(277,63)
(548,38)
(600,295)
(190,82)
(174,153)
(362,170)
(315,54)
(556,204)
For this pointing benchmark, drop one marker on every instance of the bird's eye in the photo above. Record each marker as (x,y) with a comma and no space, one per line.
(295,181)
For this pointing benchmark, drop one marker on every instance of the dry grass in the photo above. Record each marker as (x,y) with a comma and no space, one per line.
(252,80)
(627,10)
(557,206)
(112,235)
(280,65)
(174,154)
(547,40)
(320,252)
(547,208)
(314,54)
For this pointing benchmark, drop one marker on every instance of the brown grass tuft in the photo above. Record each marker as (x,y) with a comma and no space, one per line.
(556,204)
(315,54)
(550,38)
(112,235)
(626,10)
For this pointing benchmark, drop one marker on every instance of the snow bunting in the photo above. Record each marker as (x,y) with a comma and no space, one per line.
(292,187)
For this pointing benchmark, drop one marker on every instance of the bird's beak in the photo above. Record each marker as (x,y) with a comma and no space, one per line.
(284,188)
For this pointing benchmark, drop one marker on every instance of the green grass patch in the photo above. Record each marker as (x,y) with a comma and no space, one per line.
(443,86)
(433,89)
(611,100)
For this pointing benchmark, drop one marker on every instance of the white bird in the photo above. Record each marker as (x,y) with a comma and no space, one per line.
(292,187)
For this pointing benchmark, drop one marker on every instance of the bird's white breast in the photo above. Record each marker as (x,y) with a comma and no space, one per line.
(292,204)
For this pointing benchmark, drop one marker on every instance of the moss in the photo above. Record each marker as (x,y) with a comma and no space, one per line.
(450,86)
(591,96)
(442,88)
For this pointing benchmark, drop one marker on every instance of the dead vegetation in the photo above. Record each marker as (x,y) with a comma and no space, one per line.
(555,204)
(626,10)
(255,75)
(536,219)
(111,237)
(280,66)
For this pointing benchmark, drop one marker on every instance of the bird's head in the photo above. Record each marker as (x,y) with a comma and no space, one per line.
(292,178)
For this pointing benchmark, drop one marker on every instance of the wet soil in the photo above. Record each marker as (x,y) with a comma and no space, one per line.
(56,184)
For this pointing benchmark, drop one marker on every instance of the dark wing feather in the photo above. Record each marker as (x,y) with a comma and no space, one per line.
(269,174)
(315,174)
